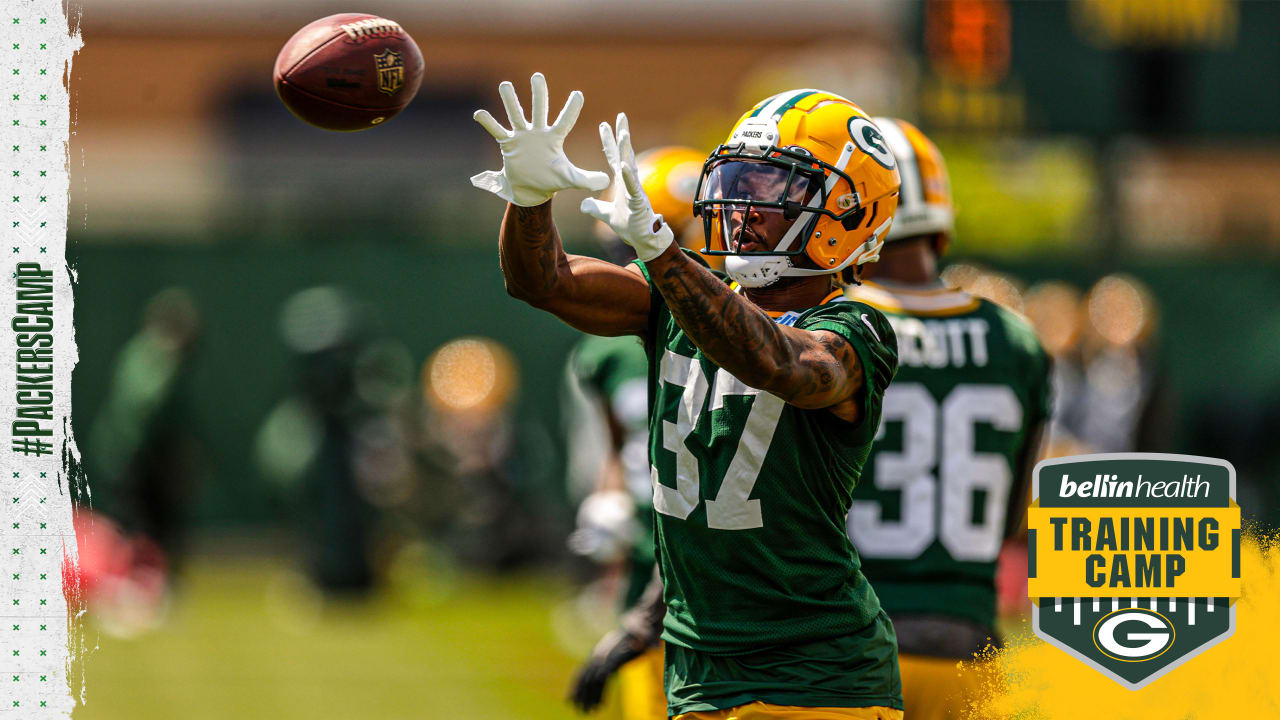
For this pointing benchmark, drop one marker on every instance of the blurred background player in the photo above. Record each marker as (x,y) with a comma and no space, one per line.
(467,450)
(945,484)
(1126,399)
(608,450)
(1111,393)
(148,460)
(143,444)
(308,445)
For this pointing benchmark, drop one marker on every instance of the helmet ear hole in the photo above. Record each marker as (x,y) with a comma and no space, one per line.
(855,219)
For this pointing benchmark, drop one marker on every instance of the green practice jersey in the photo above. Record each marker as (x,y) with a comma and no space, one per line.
(750,494)
(614,371)
(944,478)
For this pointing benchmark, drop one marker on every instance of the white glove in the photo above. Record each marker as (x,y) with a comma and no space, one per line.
(607,526)
(629,214)
(534,166)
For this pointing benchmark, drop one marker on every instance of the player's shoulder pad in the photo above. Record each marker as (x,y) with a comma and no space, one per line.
(869,331)
(868,321)
(1017,328)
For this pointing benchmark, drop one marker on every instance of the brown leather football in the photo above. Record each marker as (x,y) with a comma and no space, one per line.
(347,72)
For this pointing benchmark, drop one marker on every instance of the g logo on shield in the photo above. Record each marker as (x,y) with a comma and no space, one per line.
(1133,634)
(869,140)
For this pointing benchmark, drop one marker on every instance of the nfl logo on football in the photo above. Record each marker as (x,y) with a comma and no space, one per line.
(390,71)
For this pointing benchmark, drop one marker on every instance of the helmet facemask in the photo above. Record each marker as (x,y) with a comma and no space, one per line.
(743,192)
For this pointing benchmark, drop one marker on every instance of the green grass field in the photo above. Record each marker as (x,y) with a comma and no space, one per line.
(237,645)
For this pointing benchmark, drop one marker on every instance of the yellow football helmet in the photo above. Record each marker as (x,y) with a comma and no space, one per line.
(924,204)
(669,176)
(819,160)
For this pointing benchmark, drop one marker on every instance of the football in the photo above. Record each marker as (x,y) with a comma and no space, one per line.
(348,72)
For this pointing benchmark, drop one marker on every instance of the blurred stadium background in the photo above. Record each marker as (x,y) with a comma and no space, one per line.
(325,450)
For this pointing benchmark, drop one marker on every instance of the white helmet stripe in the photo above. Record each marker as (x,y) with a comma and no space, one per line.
(782,98)
(790,237)
(815,201)
(840,165)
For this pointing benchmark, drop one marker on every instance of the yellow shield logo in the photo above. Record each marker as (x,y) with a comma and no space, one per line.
(390,71)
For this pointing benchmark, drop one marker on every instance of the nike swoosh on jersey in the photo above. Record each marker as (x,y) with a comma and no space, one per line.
(867,322)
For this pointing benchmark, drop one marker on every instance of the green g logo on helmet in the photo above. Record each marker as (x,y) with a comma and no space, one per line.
(869,140)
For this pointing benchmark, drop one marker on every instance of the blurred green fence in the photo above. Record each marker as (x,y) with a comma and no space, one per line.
(1220,337)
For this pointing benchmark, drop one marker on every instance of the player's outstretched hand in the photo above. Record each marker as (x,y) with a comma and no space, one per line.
(534,166)
(629,214)
(612,652)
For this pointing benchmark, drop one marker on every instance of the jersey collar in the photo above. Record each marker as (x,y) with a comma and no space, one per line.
(836,294)
(924,300)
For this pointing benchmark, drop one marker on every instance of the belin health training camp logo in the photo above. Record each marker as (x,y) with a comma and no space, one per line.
(1134,559)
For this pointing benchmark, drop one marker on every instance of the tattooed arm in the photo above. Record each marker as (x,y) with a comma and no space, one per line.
(808,369)
(592,295)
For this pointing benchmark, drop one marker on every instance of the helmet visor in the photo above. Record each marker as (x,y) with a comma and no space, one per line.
(748,205)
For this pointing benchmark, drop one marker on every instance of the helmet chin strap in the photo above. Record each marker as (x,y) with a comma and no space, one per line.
(756,271)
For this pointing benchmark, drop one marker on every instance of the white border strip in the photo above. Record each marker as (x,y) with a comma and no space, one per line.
(38,644)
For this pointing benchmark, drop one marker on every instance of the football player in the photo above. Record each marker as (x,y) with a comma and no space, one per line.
(945,485)
(765,396)
(612,374)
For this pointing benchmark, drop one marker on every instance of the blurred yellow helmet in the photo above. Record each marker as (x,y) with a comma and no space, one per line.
(669,176)
(924,204)
(818,159)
